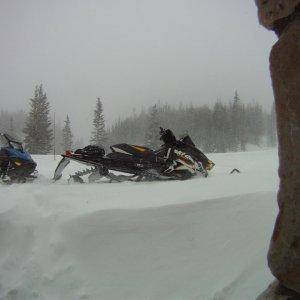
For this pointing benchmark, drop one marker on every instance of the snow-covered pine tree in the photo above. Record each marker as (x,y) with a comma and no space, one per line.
(98,136)
(38,131)
(67,136)
(237,136)
(152,131)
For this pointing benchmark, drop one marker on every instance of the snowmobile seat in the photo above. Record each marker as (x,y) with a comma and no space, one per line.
(92,151)
(133,150)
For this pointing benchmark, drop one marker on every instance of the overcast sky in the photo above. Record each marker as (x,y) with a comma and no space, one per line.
(133,53)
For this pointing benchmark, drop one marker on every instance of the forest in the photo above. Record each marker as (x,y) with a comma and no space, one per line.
(219,127)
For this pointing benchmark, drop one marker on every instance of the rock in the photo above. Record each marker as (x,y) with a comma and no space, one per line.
(276,291)
(284,251)
(270,11)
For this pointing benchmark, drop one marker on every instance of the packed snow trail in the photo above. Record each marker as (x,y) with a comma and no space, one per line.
(196,239)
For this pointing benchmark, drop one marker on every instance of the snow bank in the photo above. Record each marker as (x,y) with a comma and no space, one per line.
(197,239)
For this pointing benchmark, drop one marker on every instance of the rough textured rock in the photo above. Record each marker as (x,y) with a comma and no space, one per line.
(270,11)
(275,291)
(284,251)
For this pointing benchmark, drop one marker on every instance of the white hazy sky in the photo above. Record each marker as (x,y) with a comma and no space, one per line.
(133,53)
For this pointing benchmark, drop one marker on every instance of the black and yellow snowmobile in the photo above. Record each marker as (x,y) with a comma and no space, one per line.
(176,159)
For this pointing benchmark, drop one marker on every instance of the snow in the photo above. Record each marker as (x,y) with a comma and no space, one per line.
(205,238)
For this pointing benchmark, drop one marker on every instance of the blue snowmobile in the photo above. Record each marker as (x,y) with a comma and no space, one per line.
(16,164)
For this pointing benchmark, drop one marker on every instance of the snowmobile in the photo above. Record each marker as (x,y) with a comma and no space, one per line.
(176,159)
(16,164)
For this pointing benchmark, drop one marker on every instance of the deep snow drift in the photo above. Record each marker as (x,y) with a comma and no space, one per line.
(196,239)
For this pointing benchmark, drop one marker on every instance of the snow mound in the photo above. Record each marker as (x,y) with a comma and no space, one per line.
(198,239)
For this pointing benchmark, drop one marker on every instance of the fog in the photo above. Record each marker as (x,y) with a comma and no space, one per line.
(132,54)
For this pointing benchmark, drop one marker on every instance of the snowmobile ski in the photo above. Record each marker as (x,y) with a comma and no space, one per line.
(60,168)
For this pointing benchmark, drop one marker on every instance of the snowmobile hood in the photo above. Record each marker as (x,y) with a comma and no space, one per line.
(23,155)
(134,150)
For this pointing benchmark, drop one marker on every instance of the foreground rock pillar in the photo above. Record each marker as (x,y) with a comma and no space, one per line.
(283,16)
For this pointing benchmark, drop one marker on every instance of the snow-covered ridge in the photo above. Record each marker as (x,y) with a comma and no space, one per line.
(196,239)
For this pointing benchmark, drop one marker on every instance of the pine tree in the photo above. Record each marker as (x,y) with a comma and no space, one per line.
(38,132)
(11,126)
(225,127)
(152,132)
(255,123)
(220,127)
(98,136)
(237,137)
(67,136)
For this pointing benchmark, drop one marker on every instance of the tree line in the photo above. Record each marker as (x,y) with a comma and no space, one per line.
(224,127)
(221,128)
(38,131)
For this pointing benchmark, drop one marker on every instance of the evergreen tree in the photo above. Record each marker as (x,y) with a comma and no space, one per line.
(202,129)
(220,127)
(67,136)
(38,131)
(237,137)
(255,123)
(152,132)
(225,127)
(11,126)
(98,136)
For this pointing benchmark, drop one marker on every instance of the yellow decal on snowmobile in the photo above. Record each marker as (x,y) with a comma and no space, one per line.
(139,148)
(210,165)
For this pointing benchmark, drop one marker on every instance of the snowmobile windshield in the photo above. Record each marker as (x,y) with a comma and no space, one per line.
(187,140)
(167,136)
(13,142)
(16,145)
(12,138)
